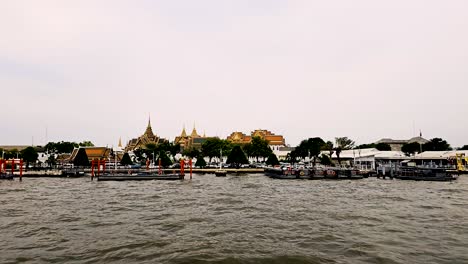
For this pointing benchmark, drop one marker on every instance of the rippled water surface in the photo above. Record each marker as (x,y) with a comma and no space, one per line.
(236,219)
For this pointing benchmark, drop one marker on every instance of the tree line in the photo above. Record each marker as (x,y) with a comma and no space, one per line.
(315,148)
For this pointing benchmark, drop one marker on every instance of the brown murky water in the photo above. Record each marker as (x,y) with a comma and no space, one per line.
(237,219)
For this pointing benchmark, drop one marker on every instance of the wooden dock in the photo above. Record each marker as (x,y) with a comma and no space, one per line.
(140,177)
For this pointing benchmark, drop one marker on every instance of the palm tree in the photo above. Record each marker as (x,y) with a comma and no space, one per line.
(329,147)
(342,143)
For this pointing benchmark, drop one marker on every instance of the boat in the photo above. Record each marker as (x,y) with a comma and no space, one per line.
(139,177)
(425,174)
(318,174)
(5,176)
(287,173)
(335,173)
(220,172)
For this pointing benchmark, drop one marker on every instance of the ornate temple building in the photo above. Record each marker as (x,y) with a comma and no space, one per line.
(93,153)
(194,140)
(147,138)
(275,141)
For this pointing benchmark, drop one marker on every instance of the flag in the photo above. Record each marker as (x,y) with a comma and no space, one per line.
(420,133)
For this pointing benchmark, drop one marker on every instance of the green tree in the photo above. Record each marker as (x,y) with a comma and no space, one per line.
(212,147)
(51,160)
(292,156)
(329,147)
(200,162)
(366,146)
(436,144)
(272,160)
(191,153)
(465,147)
(12,154)
(174,149)
(302,150)
(139,156)
(126,160)
(410,148)
(150,150)
(29,155)
(237,157)
(310,148)
(81,158)
(342,143)
(86,144)
(165,160)
(325,160)
(383,147)
(60,147)
(315,145)
(258,148)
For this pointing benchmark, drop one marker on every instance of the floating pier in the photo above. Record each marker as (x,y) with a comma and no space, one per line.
(143,176)
(4,175)
(140,177)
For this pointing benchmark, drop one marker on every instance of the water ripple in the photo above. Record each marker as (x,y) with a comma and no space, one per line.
(237,219)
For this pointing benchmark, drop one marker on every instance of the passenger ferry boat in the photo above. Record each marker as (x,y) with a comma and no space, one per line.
(335,173)
(287,173)
(425,174)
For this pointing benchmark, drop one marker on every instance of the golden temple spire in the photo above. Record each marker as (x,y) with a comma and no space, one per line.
(120,142)
(149,120)
(149,130)
(184,133)
(194,131)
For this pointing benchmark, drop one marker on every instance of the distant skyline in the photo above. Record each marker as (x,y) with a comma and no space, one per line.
(95,70)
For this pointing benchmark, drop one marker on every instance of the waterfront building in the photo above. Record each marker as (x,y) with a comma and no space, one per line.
(192,140)
(396,144)
(274,141)
(147,138)
(93,153)
(439,158)
(367,159)
(371,158)
(62,159)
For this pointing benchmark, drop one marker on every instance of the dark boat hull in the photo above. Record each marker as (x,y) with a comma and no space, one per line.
(220,173)
(420,178)
(336,174)
(287,174)
(6,177)
(425,174)
(141,177)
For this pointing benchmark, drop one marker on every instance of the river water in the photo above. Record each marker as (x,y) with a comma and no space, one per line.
(236,219)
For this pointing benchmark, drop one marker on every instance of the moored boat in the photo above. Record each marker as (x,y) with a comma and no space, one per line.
(4,176)
(334,173)
(220,173)
(140,177)
(287,173)
(425,174)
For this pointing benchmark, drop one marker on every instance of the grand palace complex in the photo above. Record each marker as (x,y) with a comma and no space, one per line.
(195,140)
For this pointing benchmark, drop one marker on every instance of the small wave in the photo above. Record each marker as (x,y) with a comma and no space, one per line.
(250,260)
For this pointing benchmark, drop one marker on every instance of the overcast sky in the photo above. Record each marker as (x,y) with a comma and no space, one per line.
(94,70)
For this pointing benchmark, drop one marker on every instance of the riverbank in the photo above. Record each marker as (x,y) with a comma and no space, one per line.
(87,172)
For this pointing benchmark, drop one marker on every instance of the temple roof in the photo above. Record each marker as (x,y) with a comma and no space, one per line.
(194,132)
(184,133)
(149,131)
(92,152)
